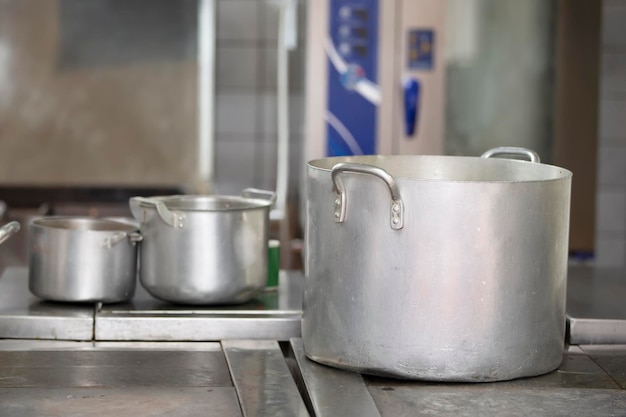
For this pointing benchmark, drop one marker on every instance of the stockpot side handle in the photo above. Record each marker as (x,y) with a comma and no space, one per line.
(397,206)
(9,230)
(256,193)
(174,219)
(531,155)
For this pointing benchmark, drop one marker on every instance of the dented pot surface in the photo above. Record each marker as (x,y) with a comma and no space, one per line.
(436,267)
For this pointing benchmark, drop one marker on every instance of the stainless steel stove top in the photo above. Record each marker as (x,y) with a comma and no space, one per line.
(148,357)
(596,305)
(238,378)
(596,308)
(274,314)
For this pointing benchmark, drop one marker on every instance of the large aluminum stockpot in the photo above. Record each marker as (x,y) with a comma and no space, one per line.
(82,259)
(204,249)
(436,267)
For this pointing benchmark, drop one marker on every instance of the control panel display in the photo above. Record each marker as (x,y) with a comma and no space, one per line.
(352,51)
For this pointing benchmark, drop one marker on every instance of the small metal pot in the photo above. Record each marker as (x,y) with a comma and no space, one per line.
(204,249)
(82,259)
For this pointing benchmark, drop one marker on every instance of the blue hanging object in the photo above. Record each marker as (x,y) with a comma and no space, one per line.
(411,105)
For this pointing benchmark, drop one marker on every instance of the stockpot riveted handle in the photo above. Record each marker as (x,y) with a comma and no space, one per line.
(172,218)
(397,207)
(133,238)
(8,230)
(512,150)
(255,192)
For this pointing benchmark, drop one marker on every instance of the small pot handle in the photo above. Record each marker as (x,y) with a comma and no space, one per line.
(397,207)
(173,219)
(8,230)
(513,150)
(255,192)
(133,238)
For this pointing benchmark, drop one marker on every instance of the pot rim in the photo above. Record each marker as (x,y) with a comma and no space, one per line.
(188,203)
(85,224)
(391,163)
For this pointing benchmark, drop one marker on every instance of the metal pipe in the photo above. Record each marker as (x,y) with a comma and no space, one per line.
(206,95)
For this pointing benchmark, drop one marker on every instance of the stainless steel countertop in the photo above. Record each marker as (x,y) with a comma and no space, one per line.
(204,361)
(265,378)
(596,305)
(22,315)
(583,386)
(274,314)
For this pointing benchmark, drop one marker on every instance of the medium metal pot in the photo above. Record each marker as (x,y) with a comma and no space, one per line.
(82,259)
(436,267)
(204,249)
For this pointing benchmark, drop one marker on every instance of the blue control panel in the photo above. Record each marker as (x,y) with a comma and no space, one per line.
(352,52)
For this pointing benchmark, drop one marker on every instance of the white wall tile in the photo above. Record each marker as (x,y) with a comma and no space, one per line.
(613,120)
(236,114)
(613,3)
(269,159)
(237,68)
(296,70)
(614,26)
(237,20)
(613,76)
(610,248)
(296,114)
(611,211)
(269,31)
(612,165)
(296,164)
(610,251)
(234,165)
(246,101)
(270,10)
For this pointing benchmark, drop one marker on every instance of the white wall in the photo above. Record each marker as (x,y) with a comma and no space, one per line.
(246,134)
(611,191)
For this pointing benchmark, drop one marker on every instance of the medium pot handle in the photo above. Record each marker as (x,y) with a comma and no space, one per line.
(174,219)
(8,230)
(512,150)
(133,238)
(397,207)
(255,192)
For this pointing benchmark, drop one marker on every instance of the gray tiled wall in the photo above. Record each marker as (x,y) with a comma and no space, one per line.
(246,134)
(103,92)
(611,195)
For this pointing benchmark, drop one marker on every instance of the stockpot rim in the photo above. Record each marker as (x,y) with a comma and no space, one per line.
(188,202)
(387,163)
(85,224)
